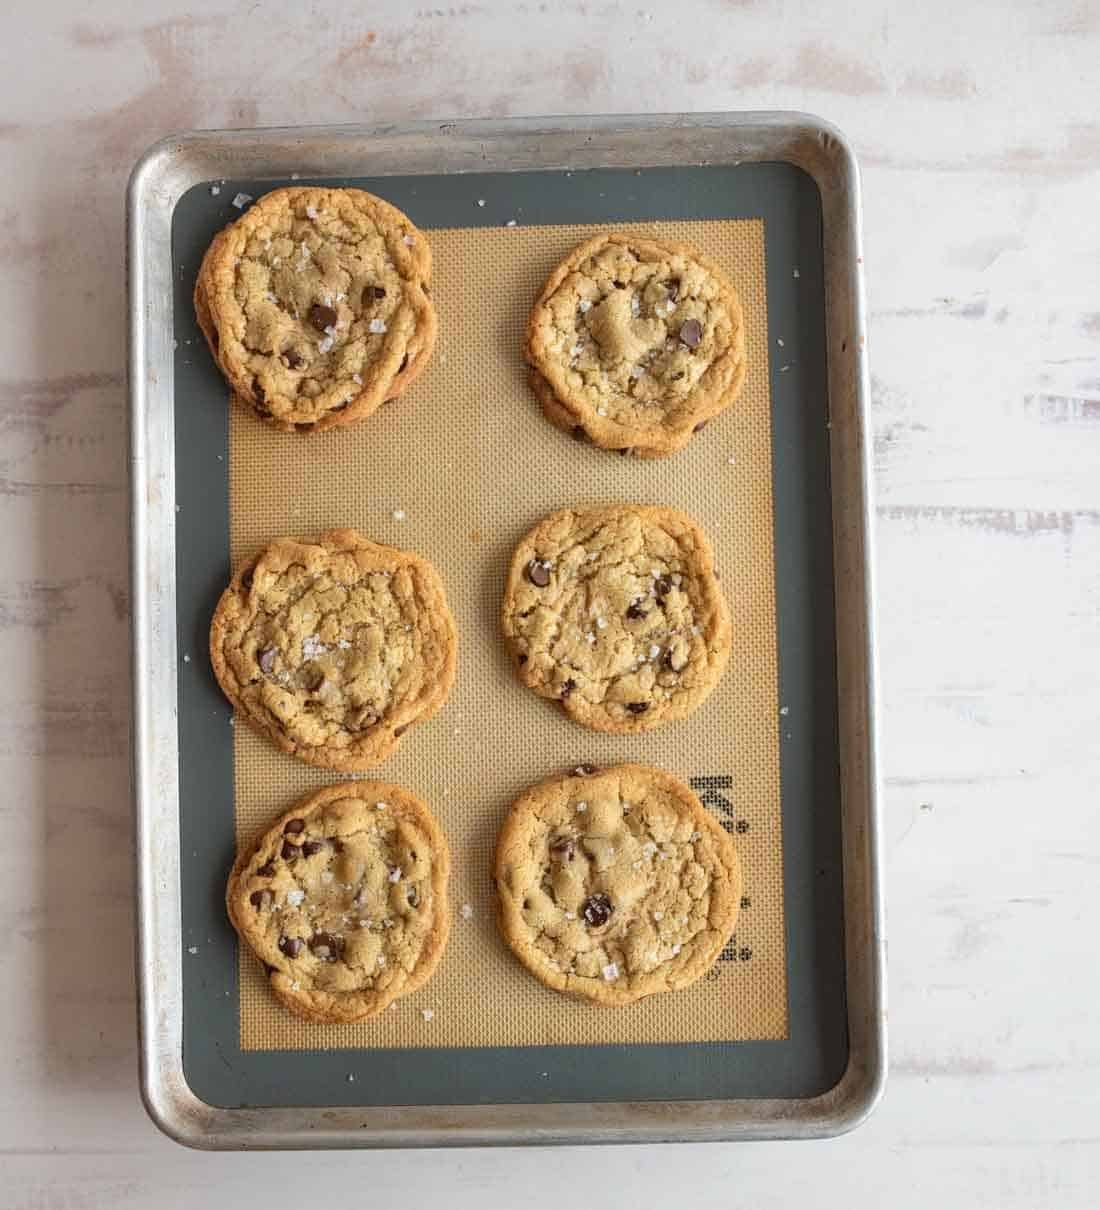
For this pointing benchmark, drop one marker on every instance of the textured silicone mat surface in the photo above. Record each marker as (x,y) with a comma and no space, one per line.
(457,470)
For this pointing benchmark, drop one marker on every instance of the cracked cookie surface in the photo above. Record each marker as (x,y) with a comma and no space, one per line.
(615,885)
(315,305)
(344,900)
(617,613)
(334,648)
(636,343)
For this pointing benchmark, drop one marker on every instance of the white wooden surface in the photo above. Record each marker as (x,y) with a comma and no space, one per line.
(977,128)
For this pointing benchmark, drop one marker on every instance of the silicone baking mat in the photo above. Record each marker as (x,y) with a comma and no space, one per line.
(457,470)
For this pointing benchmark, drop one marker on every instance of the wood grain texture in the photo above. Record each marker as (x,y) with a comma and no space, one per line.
(976,125)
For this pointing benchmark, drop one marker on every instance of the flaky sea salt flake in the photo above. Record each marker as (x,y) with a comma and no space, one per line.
(242,200)
(611,972)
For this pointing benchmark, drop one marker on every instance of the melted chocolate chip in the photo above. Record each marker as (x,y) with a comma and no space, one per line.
(567,688)
(312,846)
(618,284)
(597,910)
(360,719)
(662,586)
(673,288)
(294,826)
(322,317)
(677,376)
(247,574)
(412,897)
(404,363)
(578,433)
(522,657)
(634,611)
(398,732)
(586,769)
(291,946)
(289,852)
(336,842)
(305,428)
(313,678)
(267,870)
(261,899)
(637,707)
(294,360)
(258,393)
(326,946)
(626,451)
(691,333)
(373,294)
(538,573)
(267,660)
(563,848)
(699,427)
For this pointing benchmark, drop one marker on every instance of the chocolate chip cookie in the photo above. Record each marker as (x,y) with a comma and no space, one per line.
(315,304)
(344,900)
(636,344)
(334,648)
(615,885)
(617,613)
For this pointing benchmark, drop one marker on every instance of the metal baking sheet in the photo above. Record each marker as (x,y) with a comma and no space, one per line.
(199,1086)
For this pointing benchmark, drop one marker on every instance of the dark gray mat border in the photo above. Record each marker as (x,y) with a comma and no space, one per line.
(815,1056)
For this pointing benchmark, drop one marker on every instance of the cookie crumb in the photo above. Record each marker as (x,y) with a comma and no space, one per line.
(242,200)
(467,912)
(427,1013)
(611,972)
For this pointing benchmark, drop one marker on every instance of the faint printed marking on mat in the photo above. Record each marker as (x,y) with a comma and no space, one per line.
(457,470)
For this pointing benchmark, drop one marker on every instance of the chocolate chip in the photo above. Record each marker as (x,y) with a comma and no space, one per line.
(398,732)
(637,707)
(597,910)
(336,842)
(313,678)
(404,363)
(258,393)
(323,317)
(289,852)
(578,433)
(261,899)
(618,284)
(267,870)
(626,451)
(677,376)
(267,660)
(522,657)
(326,946)
(412,897)
(586,770)
(294,360)
(248,573)
(662,586)
(564,848)
(427,289)
(538,573)
(291,946)
(294,826)
(634,611)
(676,659)
(673,288)
(691,333)
(699,427)
(567,688)
(305,428)
(360,719)
(311,847)
(373,294)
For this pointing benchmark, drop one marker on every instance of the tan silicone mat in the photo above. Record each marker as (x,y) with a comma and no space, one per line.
(468,463)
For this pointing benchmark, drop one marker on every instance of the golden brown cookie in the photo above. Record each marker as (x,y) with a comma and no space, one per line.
(334,648)
(617,613)
(344,900)
(636,343)
(615,885)
(315,304)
